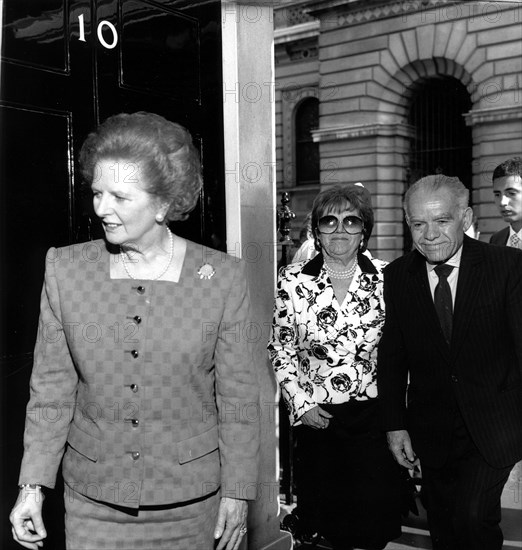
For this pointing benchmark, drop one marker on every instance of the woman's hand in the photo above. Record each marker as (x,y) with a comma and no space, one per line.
(231,523)
(316,418)
(26,518)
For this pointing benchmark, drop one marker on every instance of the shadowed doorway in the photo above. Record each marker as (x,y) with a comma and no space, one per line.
(442,142)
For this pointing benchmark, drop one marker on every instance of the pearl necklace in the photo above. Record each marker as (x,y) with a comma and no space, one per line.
(156,277)
(346,274)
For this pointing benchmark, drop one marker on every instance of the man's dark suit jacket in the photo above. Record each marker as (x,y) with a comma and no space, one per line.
(500,237)
(480,373)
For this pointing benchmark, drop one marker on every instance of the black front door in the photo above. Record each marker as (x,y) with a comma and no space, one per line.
(66,65)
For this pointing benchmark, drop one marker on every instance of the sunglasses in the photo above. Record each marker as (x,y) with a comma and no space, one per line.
(351,224)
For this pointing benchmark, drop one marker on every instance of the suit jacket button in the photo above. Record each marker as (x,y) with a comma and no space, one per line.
(135,353)
(135,422)
(454,378)
(135,455)
(141,290)
(137,318)
(134,387)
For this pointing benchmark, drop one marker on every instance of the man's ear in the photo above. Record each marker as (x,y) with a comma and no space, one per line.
(468,218)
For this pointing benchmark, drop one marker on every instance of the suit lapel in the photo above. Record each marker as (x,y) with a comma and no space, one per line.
(505,237)
(421,294)
(501,237)
(468,285)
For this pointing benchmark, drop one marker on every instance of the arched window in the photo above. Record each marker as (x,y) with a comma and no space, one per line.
(306,151)
(442,142)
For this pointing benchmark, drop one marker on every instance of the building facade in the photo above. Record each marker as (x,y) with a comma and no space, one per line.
(387,92)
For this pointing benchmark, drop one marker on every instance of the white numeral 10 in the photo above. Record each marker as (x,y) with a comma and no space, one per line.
(99,32)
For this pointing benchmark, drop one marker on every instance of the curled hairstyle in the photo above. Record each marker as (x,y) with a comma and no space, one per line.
(510,167)
(431,184)
(169,161)
(339,198)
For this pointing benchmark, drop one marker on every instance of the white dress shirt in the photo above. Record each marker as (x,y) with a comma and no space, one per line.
(519,235)
(452,278)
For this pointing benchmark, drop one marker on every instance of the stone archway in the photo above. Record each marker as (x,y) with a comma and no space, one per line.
(443,51)
(420,65)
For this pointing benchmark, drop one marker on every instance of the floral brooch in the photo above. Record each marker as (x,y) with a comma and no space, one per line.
(206,271)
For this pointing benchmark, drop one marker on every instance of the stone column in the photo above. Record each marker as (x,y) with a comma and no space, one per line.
(249,128)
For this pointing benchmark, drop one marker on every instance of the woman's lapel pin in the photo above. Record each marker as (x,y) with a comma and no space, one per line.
(206,271)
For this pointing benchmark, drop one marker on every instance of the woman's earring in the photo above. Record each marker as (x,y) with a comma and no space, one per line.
(160,217)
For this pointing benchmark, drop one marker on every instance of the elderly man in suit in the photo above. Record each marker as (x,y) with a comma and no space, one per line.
(450,365)
(507,190)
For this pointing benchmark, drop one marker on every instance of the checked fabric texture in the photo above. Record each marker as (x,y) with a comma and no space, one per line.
(145,381)
(93,527)
(514,241)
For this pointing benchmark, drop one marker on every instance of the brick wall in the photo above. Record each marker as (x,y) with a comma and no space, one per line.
(370,58)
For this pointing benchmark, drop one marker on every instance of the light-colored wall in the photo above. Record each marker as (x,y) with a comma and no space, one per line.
(249,121)
(295,81)
(370,55)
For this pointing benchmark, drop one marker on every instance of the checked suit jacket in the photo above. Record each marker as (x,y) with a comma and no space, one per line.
(143,384)
(480,372)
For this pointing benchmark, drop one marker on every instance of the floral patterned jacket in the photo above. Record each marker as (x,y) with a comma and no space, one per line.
(323,351)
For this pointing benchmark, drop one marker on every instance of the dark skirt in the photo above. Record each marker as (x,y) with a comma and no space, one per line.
(347,482)
(95,525)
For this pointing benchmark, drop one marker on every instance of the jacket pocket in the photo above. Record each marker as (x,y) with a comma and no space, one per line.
(84,443)
(198,446)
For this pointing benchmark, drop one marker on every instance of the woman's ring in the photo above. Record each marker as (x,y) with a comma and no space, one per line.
(243,530)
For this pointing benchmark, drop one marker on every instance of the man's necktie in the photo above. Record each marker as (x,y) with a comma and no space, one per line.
(514,241)
(443,301)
